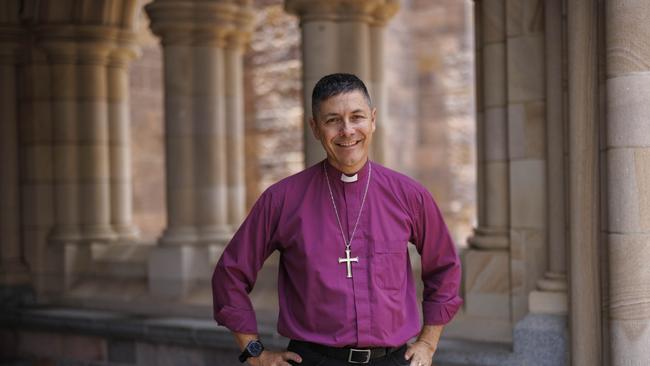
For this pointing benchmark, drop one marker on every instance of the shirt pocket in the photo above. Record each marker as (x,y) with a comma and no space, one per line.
(391,264)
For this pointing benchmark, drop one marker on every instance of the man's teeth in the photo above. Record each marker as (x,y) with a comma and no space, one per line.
(348,143)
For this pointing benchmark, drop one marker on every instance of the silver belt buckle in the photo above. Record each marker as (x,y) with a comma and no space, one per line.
(367,352)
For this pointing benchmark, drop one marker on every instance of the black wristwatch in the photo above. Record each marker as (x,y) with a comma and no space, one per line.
(253,349)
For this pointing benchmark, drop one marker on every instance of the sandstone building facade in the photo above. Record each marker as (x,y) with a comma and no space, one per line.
(555,266)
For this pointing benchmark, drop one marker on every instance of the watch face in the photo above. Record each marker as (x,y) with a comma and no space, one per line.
(255,348)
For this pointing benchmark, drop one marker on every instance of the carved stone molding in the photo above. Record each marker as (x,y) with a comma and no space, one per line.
(370,11)
(215,22)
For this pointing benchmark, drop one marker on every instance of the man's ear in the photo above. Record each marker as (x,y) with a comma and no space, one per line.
(373,119)
(314,128)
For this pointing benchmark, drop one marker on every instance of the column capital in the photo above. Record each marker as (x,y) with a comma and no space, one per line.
(60,52)
(238,40)
(207,22)
(241,35)
(125,50)
(370,11)
(76,34)
(385,12)
(122,56)
(94,53)
(85,44)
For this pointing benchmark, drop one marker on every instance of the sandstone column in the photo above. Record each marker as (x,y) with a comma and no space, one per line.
(93,136)
(341,36)
(585,300)
(65,152)
(377,79)
(68,114)
(120,144)
(551,297)
(13,271)
(81,171)
(37,170)
(486,279)
(320,55)
(628,179)
(65,231)
(527,148)
(209,137)
(492,233)
(235,130)
(203,44)
(179,154)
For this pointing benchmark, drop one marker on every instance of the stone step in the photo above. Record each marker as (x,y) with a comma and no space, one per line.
(120,261)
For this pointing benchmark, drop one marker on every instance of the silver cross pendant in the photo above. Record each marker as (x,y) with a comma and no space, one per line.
(348,262)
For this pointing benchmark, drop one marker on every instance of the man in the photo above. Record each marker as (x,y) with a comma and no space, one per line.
(342,226)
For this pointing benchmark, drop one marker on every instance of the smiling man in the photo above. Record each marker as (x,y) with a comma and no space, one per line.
(343,226)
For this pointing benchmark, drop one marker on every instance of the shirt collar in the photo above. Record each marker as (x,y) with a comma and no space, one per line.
(335,174)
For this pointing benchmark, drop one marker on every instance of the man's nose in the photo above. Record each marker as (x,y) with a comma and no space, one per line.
(346,128)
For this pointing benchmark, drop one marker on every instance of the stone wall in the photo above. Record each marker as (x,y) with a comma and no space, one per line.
(273,102)
(431,111)
(147,133)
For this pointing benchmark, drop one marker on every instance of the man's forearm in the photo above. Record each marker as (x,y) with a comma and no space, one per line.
(430,335)
(243,339)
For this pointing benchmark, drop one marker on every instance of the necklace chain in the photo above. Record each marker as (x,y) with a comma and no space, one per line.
(336,211)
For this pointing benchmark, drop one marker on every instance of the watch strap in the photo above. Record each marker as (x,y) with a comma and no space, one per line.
(254,348)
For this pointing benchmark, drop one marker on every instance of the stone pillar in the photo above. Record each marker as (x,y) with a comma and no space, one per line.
(551,296)
(209,137)
(341,36)
(235,129)
(69,155)
(527,148)
(486,262)
(80,113)
(89,115)
(202,44)
(179,154)
(628,179)
(38,186)
(66,231)
(120,144)
(13,271)
(492,233)
(93,135)
(66,227)
(584,273)
(480,117)
(377,79)
(320,54)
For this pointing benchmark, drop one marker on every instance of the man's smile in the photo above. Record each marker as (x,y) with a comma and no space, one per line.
(348,143)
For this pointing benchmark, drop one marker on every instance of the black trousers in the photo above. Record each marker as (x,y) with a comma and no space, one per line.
(311,357)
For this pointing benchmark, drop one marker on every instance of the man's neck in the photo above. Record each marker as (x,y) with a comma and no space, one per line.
(349,171)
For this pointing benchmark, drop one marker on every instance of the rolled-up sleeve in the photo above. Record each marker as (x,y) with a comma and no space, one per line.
(236,272)
(441,272)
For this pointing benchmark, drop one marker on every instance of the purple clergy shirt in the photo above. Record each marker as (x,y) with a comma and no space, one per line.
(377,306)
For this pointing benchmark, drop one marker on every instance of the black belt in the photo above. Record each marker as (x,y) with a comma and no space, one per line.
(350,354)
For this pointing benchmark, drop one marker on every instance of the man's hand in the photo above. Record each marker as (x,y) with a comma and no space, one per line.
(420,353)
(271,358)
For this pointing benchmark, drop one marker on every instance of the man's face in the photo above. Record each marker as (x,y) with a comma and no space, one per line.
(344,125)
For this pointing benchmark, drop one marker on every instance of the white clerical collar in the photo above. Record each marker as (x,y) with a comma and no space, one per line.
(349,179)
